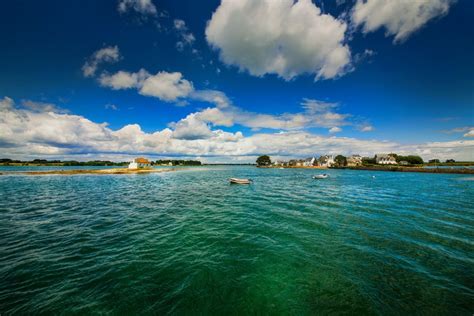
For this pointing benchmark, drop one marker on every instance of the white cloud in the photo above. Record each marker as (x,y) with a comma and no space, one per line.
(470,133)
(335,129)
(216,117)
(399,17)
(25,134)
(315,114)
(172,87)
(107,54)
(145,7)
(191,128)
(6,104)
(123,79)
(212,96)
(366,128)
(164,85)
(279,37)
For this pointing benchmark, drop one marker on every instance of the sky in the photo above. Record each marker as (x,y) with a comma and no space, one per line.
(226,81)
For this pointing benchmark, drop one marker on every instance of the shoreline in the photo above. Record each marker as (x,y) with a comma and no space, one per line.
(377,168)
(88,171)
(413,169)
(293,167)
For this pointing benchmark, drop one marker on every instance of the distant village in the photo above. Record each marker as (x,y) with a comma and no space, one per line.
(329,161)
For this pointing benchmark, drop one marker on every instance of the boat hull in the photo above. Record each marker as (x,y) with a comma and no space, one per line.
(240,181)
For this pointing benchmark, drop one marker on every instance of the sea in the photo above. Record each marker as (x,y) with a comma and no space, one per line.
(190,243)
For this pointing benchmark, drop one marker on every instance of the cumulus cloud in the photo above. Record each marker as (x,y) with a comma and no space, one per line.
(284,37)
(335,129)
(166,86)
(163,85)
(109,54)
(25,133)
(123,79)
(191,128)
(315,114)
(400,17)
(172,87)
(145,7)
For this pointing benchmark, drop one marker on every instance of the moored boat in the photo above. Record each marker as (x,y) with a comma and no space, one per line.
(240,181)
(321,176)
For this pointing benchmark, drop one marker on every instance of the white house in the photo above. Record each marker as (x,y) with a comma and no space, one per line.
(300,163)
(139,163)
(385,159)
(326,161)
(354,160)
(309,162)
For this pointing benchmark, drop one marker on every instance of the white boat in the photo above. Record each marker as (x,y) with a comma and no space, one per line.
(321,176)
(240,181)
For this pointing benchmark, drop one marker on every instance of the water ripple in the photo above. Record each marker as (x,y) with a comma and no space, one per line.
(188,242)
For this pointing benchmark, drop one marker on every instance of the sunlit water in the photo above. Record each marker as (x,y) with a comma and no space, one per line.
(188,242)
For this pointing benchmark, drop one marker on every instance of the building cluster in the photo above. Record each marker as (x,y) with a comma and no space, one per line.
(328,161)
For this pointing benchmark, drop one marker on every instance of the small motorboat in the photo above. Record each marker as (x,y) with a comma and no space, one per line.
(321,176)
(240,181)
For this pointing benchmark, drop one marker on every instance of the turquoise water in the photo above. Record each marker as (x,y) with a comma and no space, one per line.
(188,242)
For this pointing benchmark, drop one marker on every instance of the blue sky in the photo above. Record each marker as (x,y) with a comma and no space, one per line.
(227,81)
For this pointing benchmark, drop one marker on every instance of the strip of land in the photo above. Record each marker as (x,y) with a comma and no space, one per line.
(90,171)
(386,168)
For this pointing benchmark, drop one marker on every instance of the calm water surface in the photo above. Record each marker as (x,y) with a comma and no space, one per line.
(188,242)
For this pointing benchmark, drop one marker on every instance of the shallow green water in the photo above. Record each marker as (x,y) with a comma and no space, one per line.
(190,243)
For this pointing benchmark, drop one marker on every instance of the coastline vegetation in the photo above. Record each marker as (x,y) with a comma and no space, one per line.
(105,163)
(91,171)
(410,163)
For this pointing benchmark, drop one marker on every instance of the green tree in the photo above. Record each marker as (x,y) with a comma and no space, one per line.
(264,161)
(340,161)
(368,161)
(411,159)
